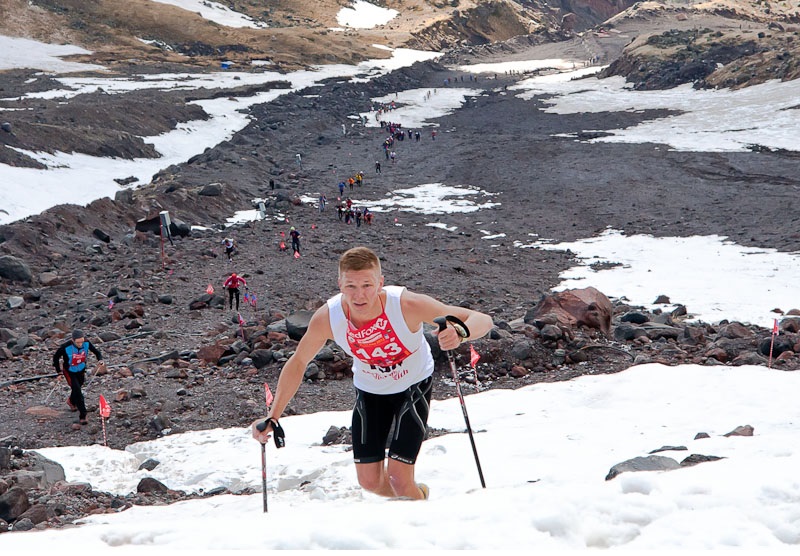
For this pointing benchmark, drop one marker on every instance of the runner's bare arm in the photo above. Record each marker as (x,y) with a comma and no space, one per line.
(318,333)
(419,308)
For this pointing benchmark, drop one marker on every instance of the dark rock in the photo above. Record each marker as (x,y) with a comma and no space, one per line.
(337,435)
(625,332)
(160,423)
(578,307)
(261,357)
(679,311)
(211,190)
(152,225)
(649,463)
(635,318)
(325,354)
(124,196)
(149,484)
(13,504)
(297,324)
(752,358)
(313,372)
(694,459)
(743,430)
(669,448)
(101,235)
(24,525)
(780,344)
(551,333)
(522,350)
(36,513)
(14,269)
(207,300)
(734,330)
(149,464)
(656,331)
(51,471)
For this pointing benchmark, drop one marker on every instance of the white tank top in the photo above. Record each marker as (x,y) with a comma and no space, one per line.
(387,356)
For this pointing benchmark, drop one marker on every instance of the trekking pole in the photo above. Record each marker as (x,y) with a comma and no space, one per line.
(464,332)
(264,475)
(55,385)
(280,442)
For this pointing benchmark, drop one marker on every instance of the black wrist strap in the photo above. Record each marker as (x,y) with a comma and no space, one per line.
(278,434)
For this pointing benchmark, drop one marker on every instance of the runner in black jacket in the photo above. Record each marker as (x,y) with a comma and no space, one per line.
(70,359)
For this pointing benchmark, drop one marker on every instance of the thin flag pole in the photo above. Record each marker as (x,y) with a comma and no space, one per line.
(772,341)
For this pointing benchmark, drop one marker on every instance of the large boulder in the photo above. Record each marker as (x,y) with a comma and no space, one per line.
(13,504)
(571,308)
(152,224)
(297,324)
(14,269)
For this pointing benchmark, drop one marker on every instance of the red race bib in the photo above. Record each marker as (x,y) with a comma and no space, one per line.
(77,358)
(376,343)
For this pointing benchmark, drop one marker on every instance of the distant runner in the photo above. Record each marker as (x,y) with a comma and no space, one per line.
(232,283)
(295,235)
(70,360)
(230,248)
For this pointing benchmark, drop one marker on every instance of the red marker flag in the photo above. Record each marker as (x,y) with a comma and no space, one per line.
(241,320)
(105,409)
(473,356)
(772,341)
(105,412)
(210,290)
(267,394)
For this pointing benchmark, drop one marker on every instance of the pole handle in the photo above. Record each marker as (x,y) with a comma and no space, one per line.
(277,431)
(457,323)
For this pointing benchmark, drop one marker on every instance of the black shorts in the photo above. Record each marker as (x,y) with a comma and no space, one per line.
(374,415)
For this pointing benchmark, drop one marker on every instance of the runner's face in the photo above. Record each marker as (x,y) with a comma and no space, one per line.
(361,289)
(78,342)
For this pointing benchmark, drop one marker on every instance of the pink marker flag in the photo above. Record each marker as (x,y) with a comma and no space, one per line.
(296,254)
(241,325)
(775,327)
(210,290)
(473,356)
(268,394)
